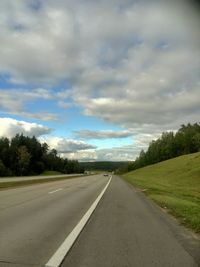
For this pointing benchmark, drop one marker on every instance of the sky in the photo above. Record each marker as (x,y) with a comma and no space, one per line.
(98,79)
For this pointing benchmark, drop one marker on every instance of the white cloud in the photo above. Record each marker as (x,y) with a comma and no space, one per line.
(10,127)
(66,146)
(88,134)
(140,141)
(89,155)
(44,116)
(65,105)
(155,79)
(62,39)
(14,102)
(124,153)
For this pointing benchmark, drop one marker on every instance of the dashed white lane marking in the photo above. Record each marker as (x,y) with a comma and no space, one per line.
(55,191)
(62,251)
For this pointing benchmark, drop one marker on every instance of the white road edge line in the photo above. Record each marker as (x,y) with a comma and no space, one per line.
(55,191)
(62,251)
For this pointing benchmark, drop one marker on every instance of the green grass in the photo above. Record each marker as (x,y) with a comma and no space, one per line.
(173,184)
(14,184)
(46,173)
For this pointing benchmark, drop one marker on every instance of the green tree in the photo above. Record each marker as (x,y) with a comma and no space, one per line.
(3,170)
(169,145)
(23,160)
(4,150)
(23,155)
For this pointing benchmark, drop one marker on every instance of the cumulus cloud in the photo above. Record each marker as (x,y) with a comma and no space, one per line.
(140,141)
(89,155)
(156,81)
(65,146)
(123,153)
(14,102)
(88,134)
(164,93)
(10,127)
(44,116)
(65,105)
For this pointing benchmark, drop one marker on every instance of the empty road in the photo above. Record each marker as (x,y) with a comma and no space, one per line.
(125,230)
(34,220)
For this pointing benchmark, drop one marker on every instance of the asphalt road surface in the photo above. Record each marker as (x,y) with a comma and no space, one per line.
(125,230)
(34,220)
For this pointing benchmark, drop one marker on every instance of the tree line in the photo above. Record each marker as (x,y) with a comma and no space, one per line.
(103,165)
(23,155)
(170,145)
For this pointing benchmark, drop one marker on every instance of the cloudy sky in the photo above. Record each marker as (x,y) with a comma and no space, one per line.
(98,79)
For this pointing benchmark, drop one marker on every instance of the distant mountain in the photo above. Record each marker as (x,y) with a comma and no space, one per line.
(103,165)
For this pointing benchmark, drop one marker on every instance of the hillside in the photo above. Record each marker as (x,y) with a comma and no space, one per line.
(102,165)
(175,185)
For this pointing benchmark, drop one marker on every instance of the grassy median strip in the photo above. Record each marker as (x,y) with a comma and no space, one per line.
(173,184)
(14,184)
(48,173)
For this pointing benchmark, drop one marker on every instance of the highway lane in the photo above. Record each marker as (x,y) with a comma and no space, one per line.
(35,220)
(128,230)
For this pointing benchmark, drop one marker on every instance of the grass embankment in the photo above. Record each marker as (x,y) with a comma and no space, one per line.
(47,173)
(173,184)
(14,184)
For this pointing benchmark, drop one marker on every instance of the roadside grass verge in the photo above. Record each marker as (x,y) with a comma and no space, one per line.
(174,185)
(47,173)
(15,184)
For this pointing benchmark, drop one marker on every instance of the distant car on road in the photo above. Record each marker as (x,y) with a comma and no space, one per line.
(105,174)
